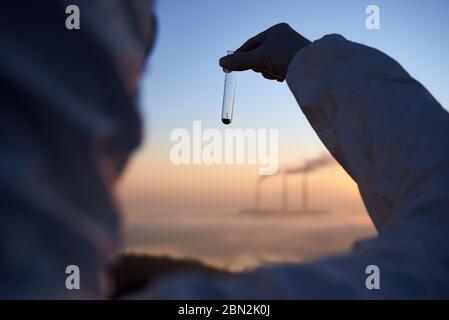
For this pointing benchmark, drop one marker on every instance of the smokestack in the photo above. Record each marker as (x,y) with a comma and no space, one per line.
(305,198)
(284,193)
(258,187)
(308,166)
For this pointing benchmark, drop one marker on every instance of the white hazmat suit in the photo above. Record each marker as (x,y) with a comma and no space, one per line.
(392,137)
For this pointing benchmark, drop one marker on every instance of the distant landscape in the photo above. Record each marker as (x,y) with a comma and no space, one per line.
(236,243)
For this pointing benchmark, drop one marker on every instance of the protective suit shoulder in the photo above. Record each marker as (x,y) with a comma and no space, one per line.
(382,125)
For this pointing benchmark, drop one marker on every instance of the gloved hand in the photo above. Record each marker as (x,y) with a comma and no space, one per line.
(269,53)
(130,272)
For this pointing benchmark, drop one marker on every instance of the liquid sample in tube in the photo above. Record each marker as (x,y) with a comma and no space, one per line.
(228,95)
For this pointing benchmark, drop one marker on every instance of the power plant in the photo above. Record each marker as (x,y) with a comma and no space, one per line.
(304,170)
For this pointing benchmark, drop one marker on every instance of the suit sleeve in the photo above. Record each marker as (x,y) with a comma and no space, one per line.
(392,137)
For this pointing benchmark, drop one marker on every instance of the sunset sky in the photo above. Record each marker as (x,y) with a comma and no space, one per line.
(183,83)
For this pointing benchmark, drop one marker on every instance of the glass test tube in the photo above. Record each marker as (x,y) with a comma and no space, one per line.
(228,95)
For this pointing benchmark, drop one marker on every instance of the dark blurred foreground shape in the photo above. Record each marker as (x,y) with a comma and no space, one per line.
(131,273)
(68,122)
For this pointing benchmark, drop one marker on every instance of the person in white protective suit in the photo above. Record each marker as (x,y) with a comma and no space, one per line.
(391,136)
(68,123)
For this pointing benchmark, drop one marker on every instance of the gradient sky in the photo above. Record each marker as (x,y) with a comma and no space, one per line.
(183,81)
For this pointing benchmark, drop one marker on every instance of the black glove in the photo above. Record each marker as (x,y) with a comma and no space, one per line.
(130,272)
(269,53)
